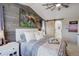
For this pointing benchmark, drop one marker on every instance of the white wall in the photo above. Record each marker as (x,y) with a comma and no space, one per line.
(69,36)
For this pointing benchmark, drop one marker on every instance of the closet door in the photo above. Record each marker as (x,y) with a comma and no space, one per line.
(1,25)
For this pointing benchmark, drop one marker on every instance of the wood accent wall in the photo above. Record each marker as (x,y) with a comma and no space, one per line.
(11,21)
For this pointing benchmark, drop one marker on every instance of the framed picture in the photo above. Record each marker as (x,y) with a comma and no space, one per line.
(29,19)
(73,26)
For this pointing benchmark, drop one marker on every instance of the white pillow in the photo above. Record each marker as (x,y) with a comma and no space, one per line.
(38,35)
(29,36)
(23,38)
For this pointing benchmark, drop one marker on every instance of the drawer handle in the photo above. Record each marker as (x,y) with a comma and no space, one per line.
(11,55)
(15,52)
(0,53)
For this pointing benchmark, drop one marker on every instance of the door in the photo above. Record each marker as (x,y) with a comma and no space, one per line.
(58,29)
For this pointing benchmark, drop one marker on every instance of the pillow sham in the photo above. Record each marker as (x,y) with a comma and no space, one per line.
(29,36)
(23,38)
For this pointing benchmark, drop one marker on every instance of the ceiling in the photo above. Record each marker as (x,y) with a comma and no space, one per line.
(71,12)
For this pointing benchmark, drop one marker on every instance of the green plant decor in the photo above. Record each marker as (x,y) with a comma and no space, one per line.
(27,24)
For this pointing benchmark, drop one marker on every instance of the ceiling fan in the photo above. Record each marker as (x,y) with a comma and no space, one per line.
(58,6)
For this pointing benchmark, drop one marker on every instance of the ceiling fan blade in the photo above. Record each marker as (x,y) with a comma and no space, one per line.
(45,4)
(51,3)
(66,6)
(49,7)
(48,4)
(53,8)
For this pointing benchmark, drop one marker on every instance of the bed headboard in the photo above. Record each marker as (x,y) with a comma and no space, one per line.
(21,31)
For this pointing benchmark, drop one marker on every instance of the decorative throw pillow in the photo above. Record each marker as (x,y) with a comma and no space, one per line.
(23,38)
(53,41)
(38,35)
(29,36)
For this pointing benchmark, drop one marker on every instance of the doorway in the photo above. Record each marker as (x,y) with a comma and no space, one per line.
(58,29)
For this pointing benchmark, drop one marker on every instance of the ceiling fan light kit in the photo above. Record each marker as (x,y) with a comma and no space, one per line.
(57,6)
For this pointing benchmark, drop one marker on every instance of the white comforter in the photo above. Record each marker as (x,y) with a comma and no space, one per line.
(42,48)
(48,49)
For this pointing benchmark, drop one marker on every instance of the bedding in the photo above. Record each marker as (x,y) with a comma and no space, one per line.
(62,48)
(43,48)
(26,47)
(53,41)
(29,36)
(48,50)
(39,35)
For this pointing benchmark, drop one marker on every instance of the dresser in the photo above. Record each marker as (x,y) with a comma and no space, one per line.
(10,49)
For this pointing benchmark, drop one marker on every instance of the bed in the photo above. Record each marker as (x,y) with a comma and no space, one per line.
(43,48)
(36,43)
